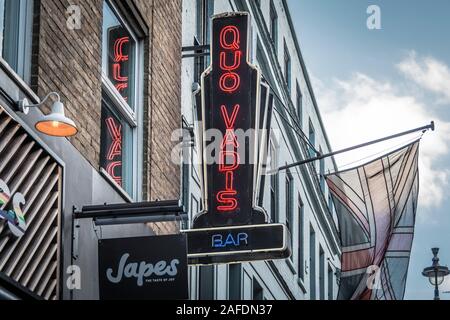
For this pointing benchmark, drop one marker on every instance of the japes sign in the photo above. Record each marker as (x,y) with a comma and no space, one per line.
(146,268)
(235,105)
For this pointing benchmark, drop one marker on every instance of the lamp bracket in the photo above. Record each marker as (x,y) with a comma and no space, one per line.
(24,105)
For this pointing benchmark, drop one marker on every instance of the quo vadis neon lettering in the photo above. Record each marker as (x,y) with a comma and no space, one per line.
(13,216)
(229,82)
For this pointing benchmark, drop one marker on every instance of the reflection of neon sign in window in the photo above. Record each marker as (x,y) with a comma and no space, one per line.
(229,82)
(114,167)
(121,82)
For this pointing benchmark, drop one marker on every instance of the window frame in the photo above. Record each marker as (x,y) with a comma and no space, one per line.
(330,280)
(274,182)
(257,290)
(24,44)
(301,239)
(132,116)
(273,28)
(299,101)
(322,173)
(290,206)
(322,274)
(287,67)
(311,133)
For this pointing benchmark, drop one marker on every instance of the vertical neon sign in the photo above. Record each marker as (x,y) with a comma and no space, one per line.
(230,104)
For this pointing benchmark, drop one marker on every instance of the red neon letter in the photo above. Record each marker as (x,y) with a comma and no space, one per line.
(116,73)
(111,168)
(115,131)
(229,82)
(228,197)
(236,62)
(228,166)
(118,49)
(235,36)
(230,121)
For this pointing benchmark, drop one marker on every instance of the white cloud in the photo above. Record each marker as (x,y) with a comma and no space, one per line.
(428,73)
(361,109)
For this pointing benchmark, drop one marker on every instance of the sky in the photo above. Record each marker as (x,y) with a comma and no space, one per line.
(370,83)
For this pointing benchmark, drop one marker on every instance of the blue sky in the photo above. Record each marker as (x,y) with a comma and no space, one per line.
(370,83)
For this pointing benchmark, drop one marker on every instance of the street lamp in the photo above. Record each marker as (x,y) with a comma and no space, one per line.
(436,273)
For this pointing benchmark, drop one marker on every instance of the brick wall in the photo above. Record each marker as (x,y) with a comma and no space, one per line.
(69,62)
(166,99)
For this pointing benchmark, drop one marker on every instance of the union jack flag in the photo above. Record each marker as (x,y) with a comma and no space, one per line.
(376,206)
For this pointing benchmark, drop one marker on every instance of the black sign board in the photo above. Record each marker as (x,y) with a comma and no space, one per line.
(234,244)
(233,226)
(230,105)
(148,268)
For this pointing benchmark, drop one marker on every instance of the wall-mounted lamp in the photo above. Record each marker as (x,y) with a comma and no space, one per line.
(55,124)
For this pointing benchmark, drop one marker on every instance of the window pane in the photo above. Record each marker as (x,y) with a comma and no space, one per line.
(116,148)
(330,283)
(321,274)
(234,282)
(273,24)
(119,55)
(312,138)
(2,25)
(258,291)
(16,21)
(301,240)
(206,283)
(312,264)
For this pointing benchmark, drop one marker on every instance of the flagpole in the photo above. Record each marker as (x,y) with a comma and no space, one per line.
(327,155)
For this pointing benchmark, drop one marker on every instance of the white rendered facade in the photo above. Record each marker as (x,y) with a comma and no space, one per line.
(311,271)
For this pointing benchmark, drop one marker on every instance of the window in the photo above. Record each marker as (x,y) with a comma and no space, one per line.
(300,106)
(312,139)
(290,205)
(330,204)
(322,173)
(16,30)
(301,239)
(121,111)
(258,291)
(204,12)
(321,274)
(273,25)
(287,67)
(117,146)
(312,263)
(206,283)
(273,184)
(234,282)
(330,283)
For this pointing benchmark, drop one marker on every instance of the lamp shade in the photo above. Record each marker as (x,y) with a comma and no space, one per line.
(436,274)
(436,280)
(56,124)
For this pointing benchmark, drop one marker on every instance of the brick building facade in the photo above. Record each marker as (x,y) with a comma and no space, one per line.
(69,62)
(60,46)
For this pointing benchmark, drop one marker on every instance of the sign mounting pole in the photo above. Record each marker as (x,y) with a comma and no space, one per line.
(359,146)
